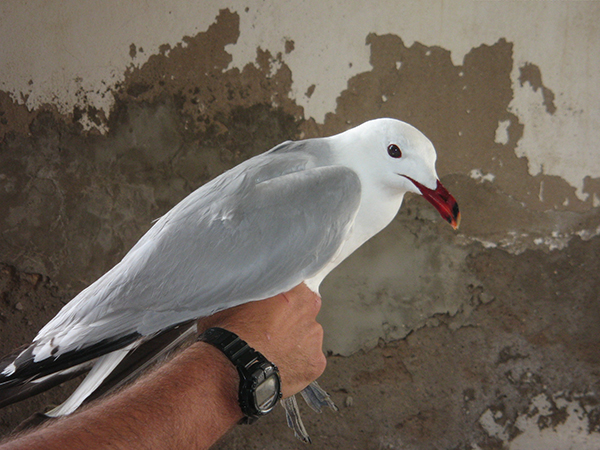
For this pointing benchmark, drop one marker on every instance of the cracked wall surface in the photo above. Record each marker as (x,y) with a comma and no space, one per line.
(87,163)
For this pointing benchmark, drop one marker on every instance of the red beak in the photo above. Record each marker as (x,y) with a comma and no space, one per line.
(442,200)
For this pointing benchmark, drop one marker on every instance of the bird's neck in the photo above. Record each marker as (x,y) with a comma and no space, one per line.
(374,214)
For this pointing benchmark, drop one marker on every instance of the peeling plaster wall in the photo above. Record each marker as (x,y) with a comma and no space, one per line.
(79,52)
(110,114)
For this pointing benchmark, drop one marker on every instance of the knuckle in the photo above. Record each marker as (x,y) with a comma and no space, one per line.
(313,305)
(320,364)
(320,332)
(318,302)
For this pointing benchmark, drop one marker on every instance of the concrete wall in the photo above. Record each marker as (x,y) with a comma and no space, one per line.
(111,113)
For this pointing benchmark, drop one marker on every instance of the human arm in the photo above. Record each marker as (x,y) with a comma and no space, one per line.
(191,401)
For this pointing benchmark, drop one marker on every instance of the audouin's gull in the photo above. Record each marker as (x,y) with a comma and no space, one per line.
(284,217)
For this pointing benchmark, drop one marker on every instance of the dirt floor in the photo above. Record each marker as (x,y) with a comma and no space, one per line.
(519,365)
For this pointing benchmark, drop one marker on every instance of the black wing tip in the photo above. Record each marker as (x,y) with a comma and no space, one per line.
(14,383)
(25,381)
(22,356)
(16,390)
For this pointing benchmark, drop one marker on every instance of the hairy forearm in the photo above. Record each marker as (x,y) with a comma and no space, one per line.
(192,400)
(189,403)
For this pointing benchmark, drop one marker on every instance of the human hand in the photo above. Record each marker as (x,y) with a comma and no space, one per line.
(285,330)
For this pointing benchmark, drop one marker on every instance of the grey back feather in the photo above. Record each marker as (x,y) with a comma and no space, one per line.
(257,230)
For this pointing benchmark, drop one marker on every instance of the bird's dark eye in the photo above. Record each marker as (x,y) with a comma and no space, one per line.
(394,151)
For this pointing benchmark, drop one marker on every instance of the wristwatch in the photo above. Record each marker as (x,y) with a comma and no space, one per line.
(260,383)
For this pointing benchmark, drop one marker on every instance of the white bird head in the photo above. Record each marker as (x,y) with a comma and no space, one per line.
(397,158)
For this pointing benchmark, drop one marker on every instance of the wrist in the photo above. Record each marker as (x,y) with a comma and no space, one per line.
(259,381)
(224,378)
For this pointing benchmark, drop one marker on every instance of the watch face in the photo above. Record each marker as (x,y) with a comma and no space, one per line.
(266,393)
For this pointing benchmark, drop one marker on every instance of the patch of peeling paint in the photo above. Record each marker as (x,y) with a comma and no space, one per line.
(464,109)
(560,421)
(476,174)
(86,72)
(502,132)
(550,146)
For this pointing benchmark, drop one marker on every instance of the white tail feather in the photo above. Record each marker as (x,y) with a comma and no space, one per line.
(102,368)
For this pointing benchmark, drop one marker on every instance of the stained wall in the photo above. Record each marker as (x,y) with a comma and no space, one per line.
(110,114)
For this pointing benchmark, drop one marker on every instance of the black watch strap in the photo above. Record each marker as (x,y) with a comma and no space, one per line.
(251,366)
(236,349)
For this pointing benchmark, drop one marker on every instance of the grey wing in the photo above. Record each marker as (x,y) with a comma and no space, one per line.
(260,239)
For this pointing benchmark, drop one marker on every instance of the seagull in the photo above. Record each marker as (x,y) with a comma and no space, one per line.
(284,217)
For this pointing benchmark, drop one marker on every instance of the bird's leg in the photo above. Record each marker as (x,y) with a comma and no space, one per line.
(317,398)
(294,421)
